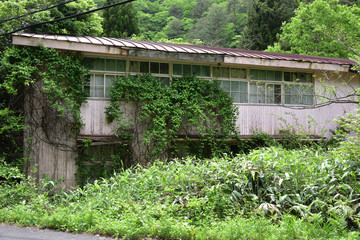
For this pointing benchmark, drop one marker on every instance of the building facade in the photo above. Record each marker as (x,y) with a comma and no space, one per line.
(272,92)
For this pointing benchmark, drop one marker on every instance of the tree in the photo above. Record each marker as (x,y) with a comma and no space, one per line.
(322,28)
(174,29)
(200,7)
(214,29)
(120,21)
(265,18)
(88,24)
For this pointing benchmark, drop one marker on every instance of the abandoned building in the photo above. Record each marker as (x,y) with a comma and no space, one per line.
(268,89)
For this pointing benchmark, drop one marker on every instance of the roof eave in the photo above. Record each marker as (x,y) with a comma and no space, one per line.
(124,51)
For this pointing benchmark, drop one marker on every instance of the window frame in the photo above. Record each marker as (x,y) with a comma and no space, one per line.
(241,77)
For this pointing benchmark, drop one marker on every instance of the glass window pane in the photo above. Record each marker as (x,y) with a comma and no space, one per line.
(216,72)
(225,85)
(154,67)
(164,68)
(92,85)
(273,94)
(287,99)
(270,75)
(235,86)
(234,73)
(242,73)
(120,65)
(294,77)
(99,80)
(287,76)
(187,70)
(257,93)
(196,70)
(99,64)
(243,97)
(107,92)
(99,92)
(309,100)
(235,96)
(177,69)
(308,78)
(244,87)
(225,72)
(277,94)
(110,65)
(89,63)
(261,94)
(144,67)
(254,74)
(278,76)
(205,71)
(262,75)
(110,80)
(302,77)
(253,93)
(134,66)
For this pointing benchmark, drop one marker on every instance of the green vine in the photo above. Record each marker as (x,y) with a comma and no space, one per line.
(40,88)
(190,107)
(61,77)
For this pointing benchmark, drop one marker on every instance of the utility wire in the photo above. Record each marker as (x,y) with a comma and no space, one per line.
(36,11)
(64,18)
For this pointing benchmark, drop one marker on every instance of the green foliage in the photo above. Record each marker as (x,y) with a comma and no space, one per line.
(272,193)
(85,25)
(61,78)
(88,24)
(207,22)
(190,105)
(214,29)
(322,28)
(120,21)
(95,162)
(265,17)
(9,173)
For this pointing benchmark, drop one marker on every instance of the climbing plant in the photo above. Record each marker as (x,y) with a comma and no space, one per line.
(45,87)
(188,107)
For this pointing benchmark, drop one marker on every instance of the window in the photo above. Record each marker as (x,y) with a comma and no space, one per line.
(273,93)
(109,65)
(103,73)
(236,86)
(154,68)
(100,85)
(254,86)
(299,94)
(265,75)
(269,87)
(237,90)
(297,77)
(257,93)
(299,89)
(191,70)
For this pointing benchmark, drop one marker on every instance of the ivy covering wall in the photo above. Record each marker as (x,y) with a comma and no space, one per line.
(188,108)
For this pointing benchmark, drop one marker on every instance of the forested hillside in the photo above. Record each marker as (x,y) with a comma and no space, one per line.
(247,24)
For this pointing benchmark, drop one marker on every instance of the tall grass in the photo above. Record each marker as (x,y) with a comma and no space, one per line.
(271,193)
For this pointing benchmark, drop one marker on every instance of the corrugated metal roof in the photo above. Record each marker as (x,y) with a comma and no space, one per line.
(195,49)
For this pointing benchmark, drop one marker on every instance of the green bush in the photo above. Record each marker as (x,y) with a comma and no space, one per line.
(271,193)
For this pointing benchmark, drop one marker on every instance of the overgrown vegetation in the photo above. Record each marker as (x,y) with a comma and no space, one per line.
(44,86)
(190,107)
(271,193)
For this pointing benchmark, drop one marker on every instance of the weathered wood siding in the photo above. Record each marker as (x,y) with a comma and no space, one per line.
(260,118)
(94,117)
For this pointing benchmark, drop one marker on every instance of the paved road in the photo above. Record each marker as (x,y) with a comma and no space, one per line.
(10,232)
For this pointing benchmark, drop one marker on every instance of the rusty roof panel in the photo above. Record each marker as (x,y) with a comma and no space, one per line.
(193,49)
